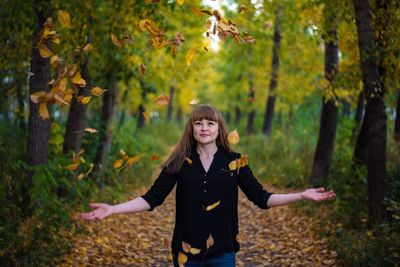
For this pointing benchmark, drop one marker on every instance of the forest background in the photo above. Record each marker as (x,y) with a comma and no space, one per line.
(95,93)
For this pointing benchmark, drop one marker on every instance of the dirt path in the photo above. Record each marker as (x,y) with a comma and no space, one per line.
(276,237)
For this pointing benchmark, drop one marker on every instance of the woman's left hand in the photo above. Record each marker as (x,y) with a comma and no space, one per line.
(317,194)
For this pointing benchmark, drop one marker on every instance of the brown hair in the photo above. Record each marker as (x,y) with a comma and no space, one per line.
(187,142)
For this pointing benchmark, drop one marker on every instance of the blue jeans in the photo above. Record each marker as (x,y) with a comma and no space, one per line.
(225,260)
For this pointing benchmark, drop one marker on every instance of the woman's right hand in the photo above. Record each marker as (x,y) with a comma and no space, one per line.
(101,211)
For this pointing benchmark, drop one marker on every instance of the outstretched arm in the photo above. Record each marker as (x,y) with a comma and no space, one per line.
(313,194)
(103,210)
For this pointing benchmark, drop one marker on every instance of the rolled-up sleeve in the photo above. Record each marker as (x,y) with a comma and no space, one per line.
(162,186)
(253,190)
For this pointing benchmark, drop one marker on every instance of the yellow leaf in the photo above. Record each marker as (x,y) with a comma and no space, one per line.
(37,97)
(180,2)
(233,137)
(80,176)
(195,251)
(43,111)
(162,100)
(189,56)
(115,40)
(90,169)
(194,101)
(60,85)
(77,79)
(186,247)
(142,69)
(146,116)
(90,130)
(123,154)
(238,163)
(213,206)
(182,258)
(55,40)
(118,163)
(210,241)
(68,97)
(189,160)
(97,91)
(73,167)
(60,99)
(85,100)
(44,51)
(64,19)
(132,160)
(87,48)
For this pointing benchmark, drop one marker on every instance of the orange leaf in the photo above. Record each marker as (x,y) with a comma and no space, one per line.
(133,160)
(233,137)
(186,247)
(154,157)
(73,167)
(60,99)
(118,163)
(115,40)
(43,111)
(142,69)
(162,100)
(182,258)
(38,97)
(77,79)
(123,154)
(189,160)
(238,163)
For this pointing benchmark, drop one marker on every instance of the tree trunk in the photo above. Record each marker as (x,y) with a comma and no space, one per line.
(375,117)
(105,131)
(252,112)
(38,129)
(359,115)
(179,114)
(77,115)
(171,102)
(238,115)
(329,113)
(21,105)
(270,105)
(397,120)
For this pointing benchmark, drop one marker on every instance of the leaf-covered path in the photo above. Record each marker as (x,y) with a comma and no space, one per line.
(276,237)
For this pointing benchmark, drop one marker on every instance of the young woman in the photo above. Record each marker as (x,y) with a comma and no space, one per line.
(207,174)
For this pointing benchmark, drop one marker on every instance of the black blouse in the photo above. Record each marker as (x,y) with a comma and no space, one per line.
(196,189)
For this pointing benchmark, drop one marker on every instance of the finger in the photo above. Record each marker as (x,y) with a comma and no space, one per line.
(87,216)
(320,189)
(95,205)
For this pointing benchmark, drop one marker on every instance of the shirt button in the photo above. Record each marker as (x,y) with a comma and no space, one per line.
(205,191)
(205,182)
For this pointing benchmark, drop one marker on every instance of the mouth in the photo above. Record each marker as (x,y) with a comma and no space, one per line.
(203,135)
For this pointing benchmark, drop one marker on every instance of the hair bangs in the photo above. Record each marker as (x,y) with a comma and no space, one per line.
(206,112)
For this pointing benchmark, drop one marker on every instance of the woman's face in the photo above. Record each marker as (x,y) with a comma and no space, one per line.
(205,131)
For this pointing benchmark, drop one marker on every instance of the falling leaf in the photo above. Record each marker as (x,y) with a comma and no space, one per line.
(233,137)
(73,167)
(162,100)
(43,111)
(249,39)
(90,169)
(44,51)
(97,91)
(80,176)
(85,100)
(213,206)
(182,258)
(194,101)
(238,163)
(142,69)
(60,99)
(194,251)
(87,48)
(240,238)
(217,15)
(189,56)
(188,160)
(64,18)
(68,97)
(268,24)
(115,40)
(132,160)
(180,2)
(77,79)
(36,97)
(146,116)
(154,157)
(118,163)
(186,247)
(123,154)
(208,12)
(90,130)
(209,242)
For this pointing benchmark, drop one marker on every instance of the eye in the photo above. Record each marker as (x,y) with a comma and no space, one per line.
(197,123)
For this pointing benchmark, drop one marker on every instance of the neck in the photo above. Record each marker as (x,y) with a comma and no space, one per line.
(207,150)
